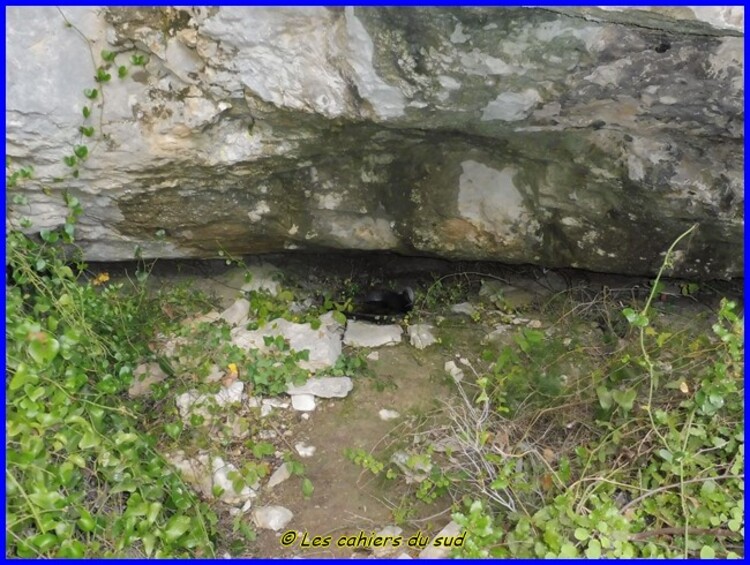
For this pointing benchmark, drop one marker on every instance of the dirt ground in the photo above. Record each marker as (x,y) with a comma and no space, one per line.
(347,499)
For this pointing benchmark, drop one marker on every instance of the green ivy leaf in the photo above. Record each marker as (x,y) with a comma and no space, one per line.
(46,499)
(605,397)
(81,151)
(708,552)
(568,550)
(43,348)
(91,94)
(86,522)
(102,75)
(666,455)
(624,399)
(122,71)
(635,318)
(70,160)
(72,549)
(149,542)
(44,542)
(153,512)
(307,488)
(138,60)
(176,527)
(108,56)
(173,430)
(262,449)
(86,111)
(22,376)
(89,440)
(594,550)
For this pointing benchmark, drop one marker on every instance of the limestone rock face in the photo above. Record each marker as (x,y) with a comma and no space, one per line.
(584,137)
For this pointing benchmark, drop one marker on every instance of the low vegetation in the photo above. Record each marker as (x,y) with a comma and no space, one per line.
(615,431)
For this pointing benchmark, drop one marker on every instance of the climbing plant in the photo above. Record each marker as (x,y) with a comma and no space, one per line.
(82,478)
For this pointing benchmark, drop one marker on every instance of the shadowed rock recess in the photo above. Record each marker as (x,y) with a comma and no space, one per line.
(586,138)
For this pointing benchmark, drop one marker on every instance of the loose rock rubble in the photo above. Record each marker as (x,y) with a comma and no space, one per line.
(194,402)
(204,472)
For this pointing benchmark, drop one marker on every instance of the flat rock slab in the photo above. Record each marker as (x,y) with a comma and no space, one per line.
(323,387)
(237,313)
(363,334)
(323,343)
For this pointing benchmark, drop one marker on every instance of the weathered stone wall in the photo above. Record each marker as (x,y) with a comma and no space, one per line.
(565,137)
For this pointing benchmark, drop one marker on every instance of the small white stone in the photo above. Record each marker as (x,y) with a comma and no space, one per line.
(304,450)
(279,476)
(386,414)
(391,531)
(304,416)
(452,369)
(231,394)
(432,552)
(303,402)
(272,517)
(373,355)
(268,404)
(464,308)
(420,335)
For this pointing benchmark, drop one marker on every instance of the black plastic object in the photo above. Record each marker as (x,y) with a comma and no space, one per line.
(383,306)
